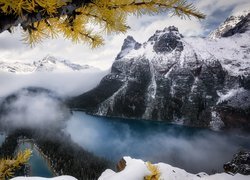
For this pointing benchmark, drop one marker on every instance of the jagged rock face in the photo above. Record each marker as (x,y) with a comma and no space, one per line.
(168,41)
(237,23)
(240,27)
(129,44)
(239,164)
(176,79)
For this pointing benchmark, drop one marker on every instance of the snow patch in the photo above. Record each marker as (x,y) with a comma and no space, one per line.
(216,124)
(229,94)
(137,169)
(110,102)
(40,178)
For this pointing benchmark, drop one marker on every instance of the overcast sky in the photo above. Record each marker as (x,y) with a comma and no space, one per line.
(13,49)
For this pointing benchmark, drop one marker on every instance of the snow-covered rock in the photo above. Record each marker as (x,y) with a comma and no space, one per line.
(47,64)
(16,67)
(229,24)
(128,45)
(239,164)
(40,178)
(137,169)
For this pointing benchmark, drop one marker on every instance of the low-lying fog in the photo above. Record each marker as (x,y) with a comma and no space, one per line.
(41,110)
(65,84)
(195,150)
(31,109)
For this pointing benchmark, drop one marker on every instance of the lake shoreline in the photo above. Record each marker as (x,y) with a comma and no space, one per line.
(21,141)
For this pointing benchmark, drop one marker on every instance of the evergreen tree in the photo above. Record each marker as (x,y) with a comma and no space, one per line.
(40,19)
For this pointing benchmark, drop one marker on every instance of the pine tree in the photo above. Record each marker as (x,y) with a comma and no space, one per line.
(9,166)
(41,19)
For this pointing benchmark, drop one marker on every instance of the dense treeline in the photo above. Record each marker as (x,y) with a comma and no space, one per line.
(8,148)
(68,158)
(10,144)
(65,156)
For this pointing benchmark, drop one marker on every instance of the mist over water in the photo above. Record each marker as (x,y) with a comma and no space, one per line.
(195,150)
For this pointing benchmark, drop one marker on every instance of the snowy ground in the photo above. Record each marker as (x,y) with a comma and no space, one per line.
(137,169)
(40,178)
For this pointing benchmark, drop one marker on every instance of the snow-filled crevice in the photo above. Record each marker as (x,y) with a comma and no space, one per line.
(110,102)
(151,93)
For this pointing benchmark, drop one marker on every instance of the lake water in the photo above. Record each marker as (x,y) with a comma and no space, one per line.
(193,149)
(39,166)
(2,138)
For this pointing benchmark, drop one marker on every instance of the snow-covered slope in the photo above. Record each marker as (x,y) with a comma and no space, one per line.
(137,169)
(228,24)
(232,52)
(51,64)
(177,79)
(16,67)
(47,64)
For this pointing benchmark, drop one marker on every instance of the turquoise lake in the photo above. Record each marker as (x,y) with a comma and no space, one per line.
(193,149)
(38,164)
(2,138)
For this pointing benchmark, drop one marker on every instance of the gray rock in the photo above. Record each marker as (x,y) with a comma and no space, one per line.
(239,164)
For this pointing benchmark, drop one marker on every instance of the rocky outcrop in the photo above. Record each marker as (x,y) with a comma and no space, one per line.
(240,27)
(190,81)
(121,165)
(236,23)
(239,164)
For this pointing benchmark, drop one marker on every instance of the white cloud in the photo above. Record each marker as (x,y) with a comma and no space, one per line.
(12,49)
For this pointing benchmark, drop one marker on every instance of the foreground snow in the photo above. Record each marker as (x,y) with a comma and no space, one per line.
(40,178)
(136,169)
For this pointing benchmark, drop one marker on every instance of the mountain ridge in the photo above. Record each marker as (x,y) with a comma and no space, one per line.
(191,81)
(225,28)
(47,64)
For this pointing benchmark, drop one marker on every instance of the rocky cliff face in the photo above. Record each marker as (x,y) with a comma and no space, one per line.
(191,81)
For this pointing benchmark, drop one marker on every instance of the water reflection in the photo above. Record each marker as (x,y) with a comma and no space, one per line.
(192,149)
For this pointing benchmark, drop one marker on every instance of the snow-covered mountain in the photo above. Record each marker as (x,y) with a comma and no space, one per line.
(16,67)
(235,22)
(47,64)
(193,81)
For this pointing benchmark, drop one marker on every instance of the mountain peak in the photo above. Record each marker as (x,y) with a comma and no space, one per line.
(172,30)
(238,22)
(166,40)
(49,58)
(129,44)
